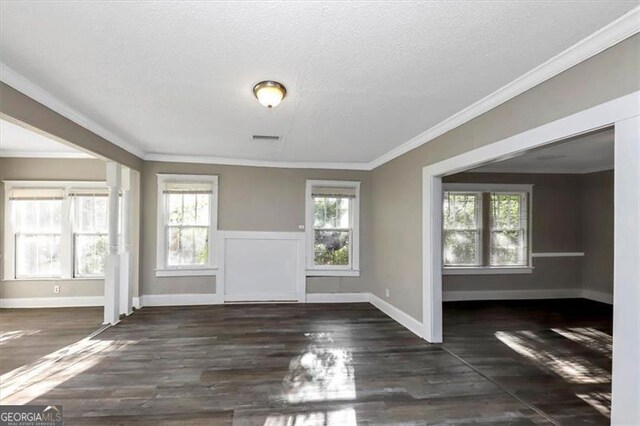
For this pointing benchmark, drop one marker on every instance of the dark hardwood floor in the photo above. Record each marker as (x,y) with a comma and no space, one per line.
(343,364)
(27,335)
(553,354)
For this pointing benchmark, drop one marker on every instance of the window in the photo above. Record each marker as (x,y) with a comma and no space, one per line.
(187,218)
(333,227)
(55,230)
(37,218)
(462,228)
(486,226)
(91,232)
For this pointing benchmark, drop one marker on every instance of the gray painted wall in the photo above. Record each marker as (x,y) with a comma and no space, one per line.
(597,231)
(556,227)
(252,199)
(397,185)
(48,169)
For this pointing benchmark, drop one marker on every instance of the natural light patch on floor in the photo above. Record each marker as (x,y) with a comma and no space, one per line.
(573,369)
(24,384)
(344,417)
(589,337)
(322,373)
(601,401)
(8,336)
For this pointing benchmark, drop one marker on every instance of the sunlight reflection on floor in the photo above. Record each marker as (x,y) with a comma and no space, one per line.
(344,417)
(601,401)
(589,337)
(15,334)
(24,384)
(574,369)
(320,373)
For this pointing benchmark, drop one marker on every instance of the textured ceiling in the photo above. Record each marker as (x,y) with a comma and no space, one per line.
(16,141)
(363,78)
(588,153)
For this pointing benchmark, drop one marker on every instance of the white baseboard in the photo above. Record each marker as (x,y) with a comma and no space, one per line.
(338,297)
(598,296)
(52,302)
(257,297)
(396,314)
(457,296)
(179,299)
(136,303)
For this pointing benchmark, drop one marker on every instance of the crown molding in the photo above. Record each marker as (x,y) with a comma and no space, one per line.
(606,37)
(8,153)
(37,93)
(559,171)
(254,163)
(620,29)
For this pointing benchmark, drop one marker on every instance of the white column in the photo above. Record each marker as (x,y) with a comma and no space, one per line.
(625,407)
(432,257)
(112,272)
(125,252)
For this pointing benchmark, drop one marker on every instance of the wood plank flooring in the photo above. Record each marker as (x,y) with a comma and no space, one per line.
(338,364)
(26,335)
(554,354)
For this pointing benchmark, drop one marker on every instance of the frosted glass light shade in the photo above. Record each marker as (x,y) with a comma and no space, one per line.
(269,93)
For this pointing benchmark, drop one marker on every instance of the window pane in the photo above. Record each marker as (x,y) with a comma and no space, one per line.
(461,210)
(188,209)
(90,254)
(508,230)
(37,255)
(187,246)
(331,212)
(507,248)
(461,248)
(461,223)
(506,212)
(37,216)
(332,247)
(91,214)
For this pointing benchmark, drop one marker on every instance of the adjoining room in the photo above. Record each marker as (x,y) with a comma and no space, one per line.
(528,256)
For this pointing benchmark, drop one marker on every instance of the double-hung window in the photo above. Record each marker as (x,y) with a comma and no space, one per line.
(187,222)
(90,231)
(36,215)
(486,228)
(333,227)
(55,230)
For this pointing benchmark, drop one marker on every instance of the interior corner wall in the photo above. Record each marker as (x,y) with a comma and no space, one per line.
(251,199)
(597,230)
(48,169)
(397,185)
(556,227)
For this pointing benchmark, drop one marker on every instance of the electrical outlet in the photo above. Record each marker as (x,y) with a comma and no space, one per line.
(386,292)
(56,289)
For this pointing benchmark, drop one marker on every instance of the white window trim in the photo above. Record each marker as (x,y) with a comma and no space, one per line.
(495,187)
(66,236)
(210,269)
(352,270)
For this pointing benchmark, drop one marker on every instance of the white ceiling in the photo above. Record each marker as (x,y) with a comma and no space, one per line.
(17,141)
(362,78)
(588,153)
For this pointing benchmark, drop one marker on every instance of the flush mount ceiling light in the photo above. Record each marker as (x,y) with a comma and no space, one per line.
(269,93)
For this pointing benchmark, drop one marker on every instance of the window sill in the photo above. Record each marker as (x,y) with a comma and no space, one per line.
(202,272)
(488,270)
(55,279)
(333,273)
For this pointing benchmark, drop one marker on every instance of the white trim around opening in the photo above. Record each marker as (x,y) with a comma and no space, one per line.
(622,113)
